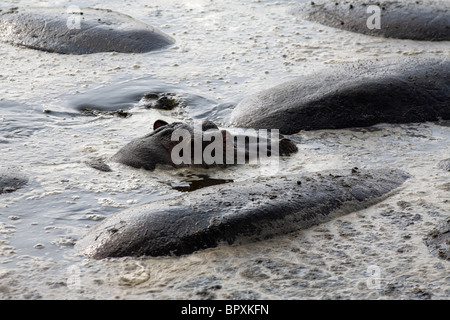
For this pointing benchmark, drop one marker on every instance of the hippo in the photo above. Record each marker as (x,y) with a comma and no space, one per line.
(73,30)
(416,20)
(352,95)
(11,181)
(157,147)
(162,101)
(240,211)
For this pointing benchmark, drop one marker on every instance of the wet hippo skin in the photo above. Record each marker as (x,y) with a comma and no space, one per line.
(252,210)
(352,95)
(415,20)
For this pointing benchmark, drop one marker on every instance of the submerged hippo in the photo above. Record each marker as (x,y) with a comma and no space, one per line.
(176,144)
(352,95)
(249,210)
(438,240)
(415,20)
(79,31)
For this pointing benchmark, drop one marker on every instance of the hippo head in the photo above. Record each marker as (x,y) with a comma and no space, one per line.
(177,144)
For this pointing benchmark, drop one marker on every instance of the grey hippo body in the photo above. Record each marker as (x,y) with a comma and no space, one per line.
(352,95)
(415,20)
(83,31)
(156,147)
(249,210)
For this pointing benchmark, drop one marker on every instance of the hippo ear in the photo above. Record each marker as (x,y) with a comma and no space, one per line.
(209,125)
(158,124)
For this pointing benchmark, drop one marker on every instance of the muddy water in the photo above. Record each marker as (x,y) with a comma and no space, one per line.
(224,51)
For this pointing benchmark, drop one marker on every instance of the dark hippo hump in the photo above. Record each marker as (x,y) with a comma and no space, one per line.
(416,20)
(156,148)
(11,181)
(100,31)
(253,209)
(352,95)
